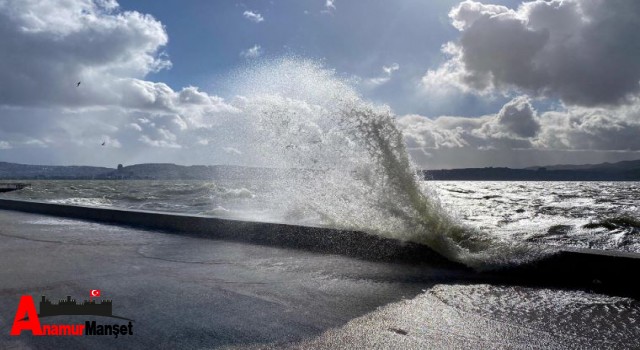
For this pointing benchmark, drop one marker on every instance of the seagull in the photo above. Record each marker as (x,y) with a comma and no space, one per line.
(78,84)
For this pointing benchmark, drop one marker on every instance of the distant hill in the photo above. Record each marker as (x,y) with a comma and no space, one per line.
(154,171)
(23,171)
(624,165)
(621,171)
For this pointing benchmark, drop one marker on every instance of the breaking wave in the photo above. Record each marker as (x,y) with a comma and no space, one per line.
(346,163)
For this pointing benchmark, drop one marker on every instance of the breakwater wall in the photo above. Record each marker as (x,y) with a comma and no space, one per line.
(317,239)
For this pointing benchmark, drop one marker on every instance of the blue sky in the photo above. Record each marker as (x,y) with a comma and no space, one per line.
(469,83)
(356,39)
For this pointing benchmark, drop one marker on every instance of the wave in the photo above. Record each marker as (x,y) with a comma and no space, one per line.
(90,202)
(237,193)
(623,222)
(357,172)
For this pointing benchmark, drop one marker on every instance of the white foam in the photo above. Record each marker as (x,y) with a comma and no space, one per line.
(356,171)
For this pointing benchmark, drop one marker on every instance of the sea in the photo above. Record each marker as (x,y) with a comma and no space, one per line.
(596,215)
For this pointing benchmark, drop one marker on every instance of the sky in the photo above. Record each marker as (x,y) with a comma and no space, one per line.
(470,83)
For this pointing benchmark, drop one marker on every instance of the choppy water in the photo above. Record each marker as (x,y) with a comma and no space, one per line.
(599,215)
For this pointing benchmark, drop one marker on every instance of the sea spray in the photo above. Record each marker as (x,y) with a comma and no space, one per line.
(344,163)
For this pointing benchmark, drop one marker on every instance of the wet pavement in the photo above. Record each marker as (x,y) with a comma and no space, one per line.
(184,291)
(196,293)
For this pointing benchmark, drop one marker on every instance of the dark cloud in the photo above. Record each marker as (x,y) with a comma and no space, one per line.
(583,52)
(518,118)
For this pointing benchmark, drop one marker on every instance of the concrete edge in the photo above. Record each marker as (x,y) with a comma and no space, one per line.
(316,239)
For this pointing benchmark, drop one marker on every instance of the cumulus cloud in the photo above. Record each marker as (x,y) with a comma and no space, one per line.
(580,128)
(231,150)
(451,77)
(329,7)
(578,51)
(330,4)
(49,46)
(253,16)
(516,119)
(253,52)
(387,73)
(518,127)
(514,127)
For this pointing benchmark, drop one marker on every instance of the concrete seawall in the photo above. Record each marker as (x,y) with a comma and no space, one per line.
(316,239)
(602,271)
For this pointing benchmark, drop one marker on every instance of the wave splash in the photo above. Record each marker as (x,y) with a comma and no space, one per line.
(347,166)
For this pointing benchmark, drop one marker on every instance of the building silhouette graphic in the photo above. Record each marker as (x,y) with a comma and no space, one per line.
(71,307)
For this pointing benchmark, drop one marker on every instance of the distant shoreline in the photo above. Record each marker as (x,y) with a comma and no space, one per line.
(507,174)
(621,171)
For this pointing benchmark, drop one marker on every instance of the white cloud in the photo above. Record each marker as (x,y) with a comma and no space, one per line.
(468,12)
(253,16)
(517,126)
(330,4)
(231,150)
(135,127)
(388,70)
(57,43)
(253,52)
(579,128)
(329,7)
(577,51)
(50,46)
(5,145)
(451,77)
(387,73)
(162,143)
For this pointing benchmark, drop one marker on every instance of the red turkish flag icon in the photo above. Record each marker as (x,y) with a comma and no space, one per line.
(95,293)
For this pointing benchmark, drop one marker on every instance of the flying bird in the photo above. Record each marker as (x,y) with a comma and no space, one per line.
(78,84)
(104,143)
